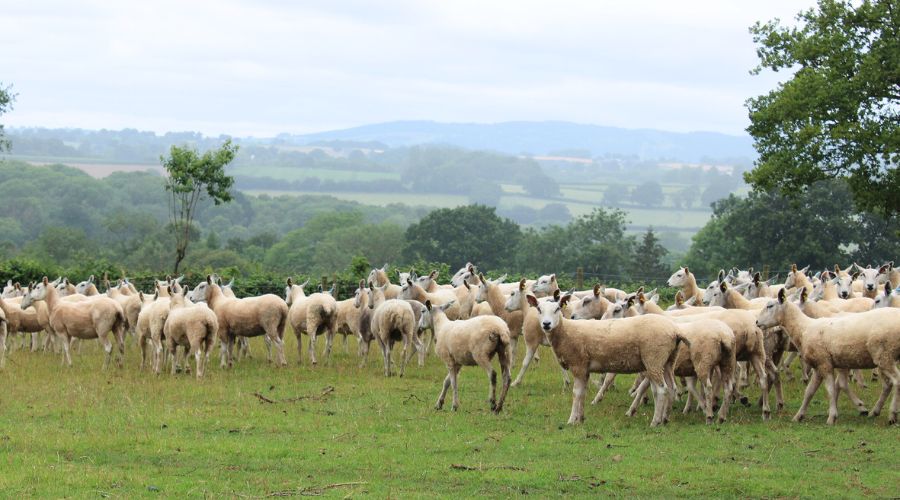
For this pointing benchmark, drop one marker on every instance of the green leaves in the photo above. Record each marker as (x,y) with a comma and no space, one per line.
(839,115)
(6,100)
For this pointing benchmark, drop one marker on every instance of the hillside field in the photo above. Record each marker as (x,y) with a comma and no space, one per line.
(342,431)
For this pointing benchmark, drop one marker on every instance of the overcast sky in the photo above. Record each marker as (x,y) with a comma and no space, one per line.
(262,67)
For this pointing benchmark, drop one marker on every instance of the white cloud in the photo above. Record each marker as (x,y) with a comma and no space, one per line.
(243,67)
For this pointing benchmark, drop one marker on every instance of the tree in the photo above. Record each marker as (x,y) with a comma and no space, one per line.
(190,176)
(820,227)
(615,194)
(472,233)
(648,194)
(648,258)
(839,114)
(6,100)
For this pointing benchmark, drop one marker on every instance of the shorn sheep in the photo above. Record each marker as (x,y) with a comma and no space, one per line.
(393,320)
(469,342)
(864,340)
(92,319)
(646,344)
(192,326)
(249,317)
(531,330)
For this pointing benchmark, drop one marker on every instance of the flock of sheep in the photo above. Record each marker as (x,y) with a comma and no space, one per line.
(836,322)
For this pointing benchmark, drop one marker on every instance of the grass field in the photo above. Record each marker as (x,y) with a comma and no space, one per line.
(86,433)
(294,173)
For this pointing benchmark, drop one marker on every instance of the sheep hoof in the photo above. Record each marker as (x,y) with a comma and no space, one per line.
(721,420)
(439,405)
(830,421)
(493,406)
(864,413)
(798,418)
(892,420)
(767,415)
(715,407)
(454,407)
(745,401)
(709,420)
(779,406)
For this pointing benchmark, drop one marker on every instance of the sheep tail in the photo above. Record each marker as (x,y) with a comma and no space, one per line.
(679,337)
(501,343)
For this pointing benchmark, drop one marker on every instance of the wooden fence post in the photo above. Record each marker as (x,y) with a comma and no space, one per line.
(579,278)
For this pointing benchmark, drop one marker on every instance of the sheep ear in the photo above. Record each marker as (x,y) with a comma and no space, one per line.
(481,277)
(597,289)
(883,269)
(804,270)
(434,274)
(384,267)
(522,284)
(630,301)
(721,277)
(679,298)
(9,283)
(855,275)
(640,297)
(209,279)
(556,295)
(723,286)
(44,281)
(640,290)
(686,270)
(655,298)
(448,305)
(793,268)
(532,301)
(466,284)
(781,295)
(837,269)
(887,288)
(691,301)
(553,277)
(362,283)
(320,288)
(409,281)
(427,304)
(564,301)
(756,278)
(803,295)
(303,285)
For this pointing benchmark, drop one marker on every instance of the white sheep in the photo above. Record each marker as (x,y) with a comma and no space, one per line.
(192,326)
(646,344)
(864,340)
(469,342)
(393,320)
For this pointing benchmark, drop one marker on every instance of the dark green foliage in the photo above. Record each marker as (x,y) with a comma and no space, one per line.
(456,235)
(648,194)
(190,176)
(819,227)
(838,115)
(647,263)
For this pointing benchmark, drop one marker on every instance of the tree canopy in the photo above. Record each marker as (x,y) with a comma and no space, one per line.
(839,114)
(190,175)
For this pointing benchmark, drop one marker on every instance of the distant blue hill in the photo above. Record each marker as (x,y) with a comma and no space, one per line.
(541,138)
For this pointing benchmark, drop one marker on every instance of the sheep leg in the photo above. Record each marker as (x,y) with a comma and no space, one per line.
(759,366)
(386,353)
(107,349)
(565,373)
(313,332)
(727,383)
(504,356)
(843,384)
(886,387)
(638,396)
(346,345)
(637,382)
(608,380)
(454,381)
(689,383)
(859,379)
(660,401)
(529,355)
(775,380)
(329,342)
(268,342)
(492,379)
(811,388)
(894,379)
(424,350)
(578,389)
(198,357)
(34,341)
(513,349)
(363,348)
(832,398)
(440,401)
(67,347)
(173,351)
(299,346)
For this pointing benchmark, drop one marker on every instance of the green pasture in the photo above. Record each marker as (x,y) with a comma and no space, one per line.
(341,431)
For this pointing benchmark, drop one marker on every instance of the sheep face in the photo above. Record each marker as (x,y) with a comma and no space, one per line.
(616,310)
(201,292)
(869,278)
(463,274)
(9,291)
(710,292)
(62,288)
(844,285)
(38,292)
(716,296)
(773,314)
(679,278)
(794,275)
(514,302)
(882,300)
(544,284)
(83,286)
(549,313)
(358,294)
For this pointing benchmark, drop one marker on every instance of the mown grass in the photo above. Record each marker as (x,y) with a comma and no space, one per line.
(82,432)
